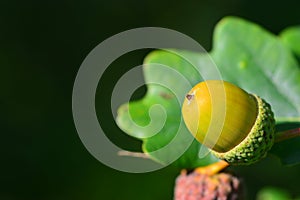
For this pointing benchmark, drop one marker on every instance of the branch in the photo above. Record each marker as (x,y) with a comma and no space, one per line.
(133,154)
(284,135)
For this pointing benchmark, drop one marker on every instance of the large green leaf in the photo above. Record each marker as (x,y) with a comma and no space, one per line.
(260,63)
(245,54)
(157,117)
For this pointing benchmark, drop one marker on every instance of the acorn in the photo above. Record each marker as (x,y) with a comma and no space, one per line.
(237,126)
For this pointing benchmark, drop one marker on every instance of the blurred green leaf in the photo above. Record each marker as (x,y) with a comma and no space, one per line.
(291,38)
(245,54)
(272,193)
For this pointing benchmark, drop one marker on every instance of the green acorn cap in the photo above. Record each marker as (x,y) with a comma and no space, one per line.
(247,132)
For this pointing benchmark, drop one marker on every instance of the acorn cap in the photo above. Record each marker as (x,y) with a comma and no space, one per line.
(247,131)
(259,141)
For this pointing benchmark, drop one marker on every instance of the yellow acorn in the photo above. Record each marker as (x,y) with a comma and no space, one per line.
(237,126)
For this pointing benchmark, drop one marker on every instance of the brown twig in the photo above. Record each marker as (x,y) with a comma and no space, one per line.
(284,135)
(133,154)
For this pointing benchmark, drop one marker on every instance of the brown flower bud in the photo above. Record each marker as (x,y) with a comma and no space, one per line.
(197,186)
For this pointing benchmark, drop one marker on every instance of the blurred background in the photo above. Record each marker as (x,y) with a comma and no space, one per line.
(42,45)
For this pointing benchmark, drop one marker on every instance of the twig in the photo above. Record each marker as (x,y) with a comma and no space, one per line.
(133,154)
(284,135)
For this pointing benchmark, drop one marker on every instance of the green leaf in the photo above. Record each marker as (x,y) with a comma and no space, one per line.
(157,117)
(291,38)
(245,54)
(272,193)
(260,63)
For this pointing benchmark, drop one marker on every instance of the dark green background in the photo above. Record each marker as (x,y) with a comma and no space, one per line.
(42,44)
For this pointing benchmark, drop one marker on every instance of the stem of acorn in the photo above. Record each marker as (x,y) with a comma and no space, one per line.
(212,168)
(284,135)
